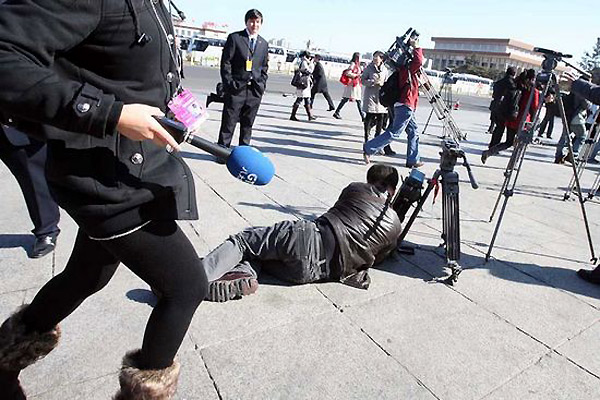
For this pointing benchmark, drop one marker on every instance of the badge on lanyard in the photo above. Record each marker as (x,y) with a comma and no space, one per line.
(188,110)
(248,65)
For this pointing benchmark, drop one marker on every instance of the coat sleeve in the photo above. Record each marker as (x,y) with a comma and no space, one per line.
(264,70)
(587,90)
(32,34)
(226,58)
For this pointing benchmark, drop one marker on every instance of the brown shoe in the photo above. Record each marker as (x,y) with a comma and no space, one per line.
(231,286)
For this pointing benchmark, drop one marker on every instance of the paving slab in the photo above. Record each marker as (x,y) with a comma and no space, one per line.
(457,349)
(553,377)
(582,349)
(331,360)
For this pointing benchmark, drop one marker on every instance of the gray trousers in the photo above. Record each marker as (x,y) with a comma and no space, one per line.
(289,250)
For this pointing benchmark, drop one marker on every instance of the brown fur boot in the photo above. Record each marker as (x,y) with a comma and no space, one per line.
(19,349)
(146,384)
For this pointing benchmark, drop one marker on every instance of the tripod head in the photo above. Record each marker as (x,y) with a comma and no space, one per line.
(400,53)
(552,58)
(450,153)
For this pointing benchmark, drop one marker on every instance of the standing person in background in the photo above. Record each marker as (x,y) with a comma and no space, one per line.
(551,112)
(516,101)
(373,77)
(502,88)
(26,159)
(576,114)
(352,89)
(90,82)
(320,84)
(590,92)
(303,74)
(404,111)
(244,65)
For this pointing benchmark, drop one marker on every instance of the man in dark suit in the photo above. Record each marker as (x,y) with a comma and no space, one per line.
(244,66)
(26,159)
(320,84)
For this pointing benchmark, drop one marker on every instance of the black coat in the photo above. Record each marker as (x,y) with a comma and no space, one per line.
(587,90)
(233,63)
(66,69)
(319,79)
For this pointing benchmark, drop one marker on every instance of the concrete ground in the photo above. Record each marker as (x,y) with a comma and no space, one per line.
(521,326)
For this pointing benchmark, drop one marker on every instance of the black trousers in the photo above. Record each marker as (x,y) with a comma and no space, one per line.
(549,122)
(242,108)
(510,141)
(498,131)
(325,93)
(27,164)
(160,254)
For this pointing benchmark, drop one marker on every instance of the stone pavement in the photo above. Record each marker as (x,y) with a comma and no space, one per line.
(521,326)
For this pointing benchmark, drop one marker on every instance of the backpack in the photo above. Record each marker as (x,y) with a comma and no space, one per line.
(390,91)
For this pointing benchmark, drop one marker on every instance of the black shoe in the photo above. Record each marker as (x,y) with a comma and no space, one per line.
(484,156)
(231,286)
(293,118)
(559,160)
(43,245)
(337,116)
(418,164)
(389,152)
(331,109)
(589,276)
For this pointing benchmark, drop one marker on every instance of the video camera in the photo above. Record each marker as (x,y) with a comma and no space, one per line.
(409,193)
(400,54)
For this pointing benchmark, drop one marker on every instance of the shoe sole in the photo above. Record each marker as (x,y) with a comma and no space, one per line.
(221,291)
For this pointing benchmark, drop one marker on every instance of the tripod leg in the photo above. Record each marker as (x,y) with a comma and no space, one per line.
(419,206)
(451,223)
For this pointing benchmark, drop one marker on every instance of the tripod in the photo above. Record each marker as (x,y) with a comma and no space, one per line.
(450,203)
(582,158)
(446,94)
(525,136)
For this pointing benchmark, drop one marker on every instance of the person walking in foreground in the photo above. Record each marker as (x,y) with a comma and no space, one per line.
(90,83)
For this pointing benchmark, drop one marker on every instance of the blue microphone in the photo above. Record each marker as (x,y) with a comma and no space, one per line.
(246,163)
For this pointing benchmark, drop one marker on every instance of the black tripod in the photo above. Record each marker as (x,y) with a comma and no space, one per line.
(525,136)
(448,80)
(450,203)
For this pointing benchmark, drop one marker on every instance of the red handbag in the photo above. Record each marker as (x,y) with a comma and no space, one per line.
(344,80)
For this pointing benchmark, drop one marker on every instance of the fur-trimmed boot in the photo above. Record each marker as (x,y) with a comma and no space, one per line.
(146,384)
(19,349)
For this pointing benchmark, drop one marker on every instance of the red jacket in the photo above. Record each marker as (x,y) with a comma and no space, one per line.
(409,85)
(535,102)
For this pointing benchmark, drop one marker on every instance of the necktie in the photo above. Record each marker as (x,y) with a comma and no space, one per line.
(252,44)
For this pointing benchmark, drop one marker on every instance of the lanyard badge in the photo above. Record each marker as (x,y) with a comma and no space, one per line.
(188,110)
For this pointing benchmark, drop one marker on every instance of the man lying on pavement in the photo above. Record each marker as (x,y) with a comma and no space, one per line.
(360,230)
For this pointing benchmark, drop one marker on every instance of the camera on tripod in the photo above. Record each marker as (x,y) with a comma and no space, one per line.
(409,193)
(400,54)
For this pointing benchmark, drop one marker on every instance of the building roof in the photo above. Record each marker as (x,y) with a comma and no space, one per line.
(509,42)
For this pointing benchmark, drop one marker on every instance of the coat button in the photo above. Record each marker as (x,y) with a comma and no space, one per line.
(170,77)
(137,159)
(83,107)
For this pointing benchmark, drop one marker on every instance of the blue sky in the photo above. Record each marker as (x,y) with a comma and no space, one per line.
(350,25)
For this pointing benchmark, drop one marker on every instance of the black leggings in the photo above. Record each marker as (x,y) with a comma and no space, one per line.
(149,253)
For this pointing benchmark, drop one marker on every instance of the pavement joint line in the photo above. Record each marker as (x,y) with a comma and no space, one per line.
(210,375)
(577,364)
(517,374)
(387,353)
(221,197)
